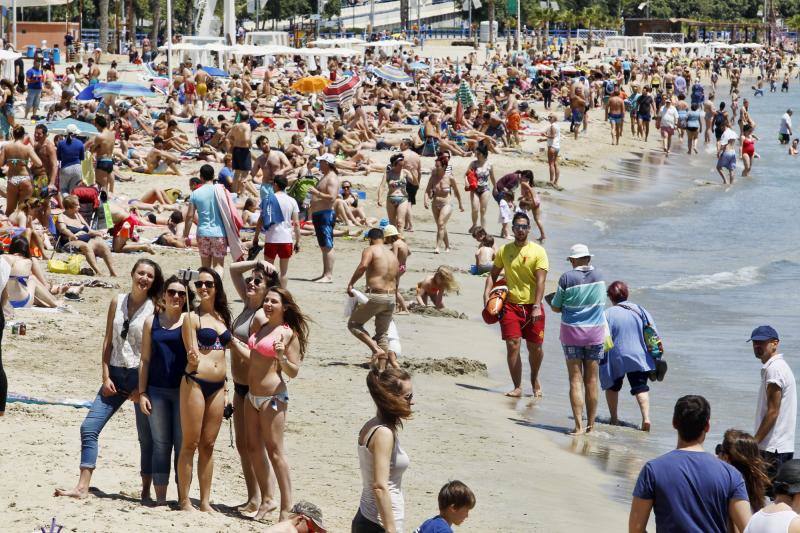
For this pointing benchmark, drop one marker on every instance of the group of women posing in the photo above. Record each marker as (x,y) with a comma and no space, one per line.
(166,353)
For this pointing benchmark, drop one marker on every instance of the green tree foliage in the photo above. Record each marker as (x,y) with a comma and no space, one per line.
(332,8)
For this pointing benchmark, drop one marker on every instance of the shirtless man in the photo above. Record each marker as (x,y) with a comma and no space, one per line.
(201,78)
(102,146)
(271,163)
(93,76)
(159,155)
(44,176)
(323,196)
(239,141)
(616,115)
(381,268)
(578,106)
(412,163)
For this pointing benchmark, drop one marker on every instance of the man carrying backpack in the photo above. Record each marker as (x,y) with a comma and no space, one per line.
(280,222)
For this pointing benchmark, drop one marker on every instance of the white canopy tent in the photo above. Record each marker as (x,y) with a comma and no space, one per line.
(14,4)
(386,44)
(341,41)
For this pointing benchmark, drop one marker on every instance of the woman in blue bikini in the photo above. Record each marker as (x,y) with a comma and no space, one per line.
(278,341)
(204,389)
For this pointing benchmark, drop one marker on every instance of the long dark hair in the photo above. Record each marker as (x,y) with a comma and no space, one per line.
(155,290)
(161,306)
(386,391)
(19,245)
(743,454)
(293,317)
(220,300)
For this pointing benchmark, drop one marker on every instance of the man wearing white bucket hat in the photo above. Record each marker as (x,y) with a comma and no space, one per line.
(580,298)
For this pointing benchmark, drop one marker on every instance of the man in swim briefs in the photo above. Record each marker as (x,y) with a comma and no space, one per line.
(239,139)
(102,146)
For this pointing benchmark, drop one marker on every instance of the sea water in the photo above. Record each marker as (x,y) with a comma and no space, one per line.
(709,262)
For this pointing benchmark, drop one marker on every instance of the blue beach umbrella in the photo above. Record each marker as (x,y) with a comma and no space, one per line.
(419,65)
(88,93)
(391,74)
(216,72)
(60,126)
(120,88)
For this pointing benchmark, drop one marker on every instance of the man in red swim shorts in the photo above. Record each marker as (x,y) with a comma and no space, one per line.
(525,266)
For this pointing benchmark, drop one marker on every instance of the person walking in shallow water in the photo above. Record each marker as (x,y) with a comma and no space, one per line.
(580,299)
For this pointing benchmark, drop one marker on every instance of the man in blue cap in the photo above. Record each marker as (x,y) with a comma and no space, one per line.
(776,411)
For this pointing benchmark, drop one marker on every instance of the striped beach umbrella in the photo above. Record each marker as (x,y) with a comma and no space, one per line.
(340,92)
(391,74)
(465,96)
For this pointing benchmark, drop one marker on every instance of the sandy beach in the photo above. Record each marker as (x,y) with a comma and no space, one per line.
(463,427)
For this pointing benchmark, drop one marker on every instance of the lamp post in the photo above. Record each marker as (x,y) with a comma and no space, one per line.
(169,41)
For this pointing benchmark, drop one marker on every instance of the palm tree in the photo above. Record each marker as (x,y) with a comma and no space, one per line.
(567,19)
(589,16)
(793,23)
(155,9)
(404,14)
(537,19)
(490,8)
(104,25)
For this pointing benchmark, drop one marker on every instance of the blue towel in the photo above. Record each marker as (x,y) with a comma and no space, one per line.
(271,213)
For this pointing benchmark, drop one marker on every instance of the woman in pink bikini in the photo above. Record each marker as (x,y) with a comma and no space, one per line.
(278,340)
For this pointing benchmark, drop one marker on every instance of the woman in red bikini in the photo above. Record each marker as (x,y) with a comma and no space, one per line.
(748,148)
(278,340)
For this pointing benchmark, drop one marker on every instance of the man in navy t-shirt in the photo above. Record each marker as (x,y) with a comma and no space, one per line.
(690,490)
(34,78)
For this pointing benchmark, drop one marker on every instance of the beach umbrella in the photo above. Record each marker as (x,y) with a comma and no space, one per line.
(465,96)
(341,91)
(121,88)
(60,126)
(391,74)
(88,93)
(216,72)
(419,65)
(311,84)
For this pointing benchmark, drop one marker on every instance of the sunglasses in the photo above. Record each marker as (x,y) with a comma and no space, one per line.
(522,227)
(125,327)
(255,281)
(345,186)
(207,284)
(409,397)
(172,293)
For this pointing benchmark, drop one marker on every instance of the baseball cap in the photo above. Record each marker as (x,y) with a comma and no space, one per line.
(787,480)
(579,250)
(312,512)
(764,333)
(328,158)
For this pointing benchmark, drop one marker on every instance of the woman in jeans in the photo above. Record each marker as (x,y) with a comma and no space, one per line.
(160,373)
(380,457)
(122,348)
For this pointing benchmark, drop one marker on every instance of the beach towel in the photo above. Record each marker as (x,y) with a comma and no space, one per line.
(231,220)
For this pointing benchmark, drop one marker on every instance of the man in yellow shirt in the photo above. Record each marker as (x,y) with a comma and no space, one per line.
(525,266)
